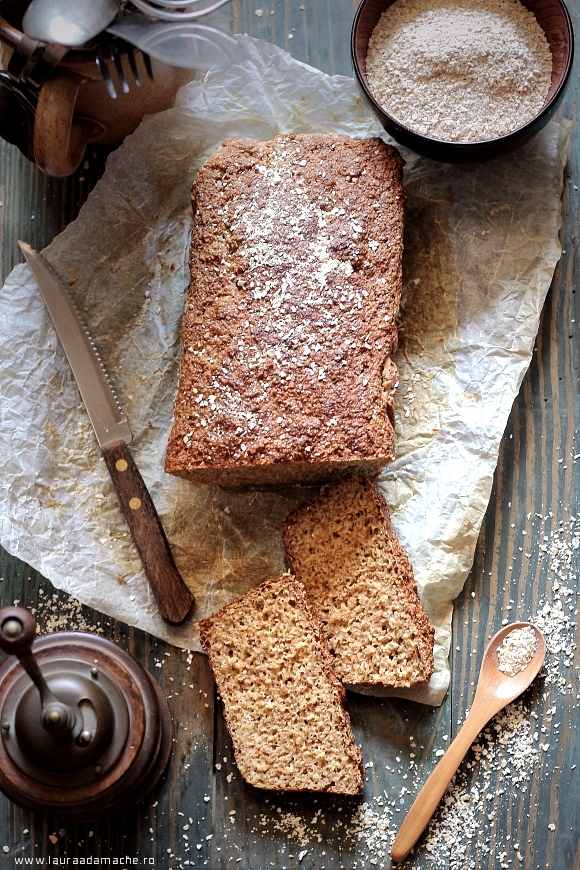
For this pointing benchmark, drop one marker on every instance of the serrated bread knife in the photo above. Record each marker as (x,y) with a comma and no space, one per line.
(174,599)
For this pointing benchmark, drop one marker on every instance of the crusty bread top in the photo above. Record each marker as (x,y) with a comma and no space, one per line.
(282,699)
(290,319)
(344,550)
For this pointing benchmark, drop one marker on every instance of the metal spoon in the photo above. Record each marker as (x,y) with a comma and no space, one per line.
(495,690)
(184,44)
(68,23)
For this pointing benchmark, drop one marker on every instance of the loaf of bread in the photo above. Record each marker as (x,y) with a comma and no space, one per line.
(344,551)
(286,373)
(282,700)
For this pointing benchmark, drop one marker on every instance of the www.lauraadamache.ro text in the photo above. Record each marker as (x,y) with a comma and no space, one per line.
(91,861)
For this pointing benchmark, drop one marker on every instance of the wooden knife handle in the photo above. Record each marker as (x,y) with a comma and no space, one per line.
(173,597)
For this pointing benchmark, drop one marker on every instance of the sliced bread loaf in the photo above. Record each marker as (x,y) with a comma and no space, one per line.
(344,551)
(286,373)
(282,699)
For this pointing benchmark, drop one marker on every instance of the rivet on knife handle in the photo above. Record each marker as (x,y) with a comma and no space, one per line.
(173,597)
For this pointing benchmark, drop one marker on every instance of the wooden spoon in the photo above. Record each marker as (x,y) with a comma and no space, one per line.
(495,690)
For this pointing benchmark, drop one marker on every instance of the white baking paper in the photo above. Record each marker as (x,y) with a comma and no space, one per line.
(481,247)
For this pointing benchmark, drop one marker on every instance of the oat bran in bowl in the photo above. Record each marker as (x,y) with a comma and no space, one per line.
(461,82)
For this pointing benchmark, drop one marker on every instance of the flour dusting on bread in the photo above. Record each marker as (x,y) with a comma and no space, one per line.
(289,328)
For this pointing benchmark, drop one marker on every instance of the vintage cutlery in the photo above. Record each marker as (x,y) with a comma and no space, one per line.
(186,44)
(178,10)
(109,56)
(495,690)
(174,599)
(32,61)
(68,23)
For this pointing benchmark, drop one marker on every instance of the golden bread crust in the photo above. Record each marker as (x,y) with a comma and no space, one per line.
(286,373)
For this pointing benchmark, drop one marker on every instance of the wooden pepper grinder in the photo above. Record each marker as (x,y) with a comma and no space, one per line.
(86,731)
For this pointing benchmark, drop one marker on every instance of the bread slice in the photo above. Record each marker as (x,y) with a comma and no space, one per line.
(344,551)
(282,700)
(286,373)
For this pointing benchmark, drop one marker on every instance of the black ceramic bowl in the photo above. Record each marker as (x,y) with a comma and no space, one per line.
(553,18)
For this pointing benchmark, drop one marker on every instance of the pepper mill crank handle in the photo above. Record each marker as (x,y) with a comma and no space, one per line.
(17,633)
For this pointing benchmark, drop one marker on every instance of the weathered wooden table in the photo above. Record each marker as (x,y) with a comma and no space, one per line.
(516,802)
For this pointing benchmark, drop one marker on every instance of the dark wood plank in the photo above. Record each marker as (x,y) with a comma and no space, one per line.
(260,831)
(255,829)
(316,32)
(536,475)
(526,562)
(36,208)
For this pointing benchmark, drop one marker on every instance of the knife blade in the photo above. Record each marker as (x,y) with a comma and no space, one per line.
(174,599)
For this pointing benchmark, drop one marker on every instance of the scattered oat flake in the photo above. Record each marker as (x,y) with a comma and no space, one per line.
(517,650)
(509,753)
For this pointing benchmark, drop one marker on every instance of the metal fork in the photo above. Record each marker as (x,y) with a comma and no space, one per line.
(110,57)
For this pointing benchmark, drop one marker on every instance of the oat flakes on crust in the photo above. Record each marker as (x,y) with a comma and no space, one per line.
(289,327)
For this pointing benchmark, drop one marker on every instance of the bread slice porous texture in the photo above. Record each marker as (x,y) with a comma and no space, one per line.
(283,704)
(343,549)
(286,373)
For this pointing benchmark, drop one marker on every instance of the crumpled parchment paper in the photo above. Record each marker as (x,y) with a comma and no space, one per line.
(481,247)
